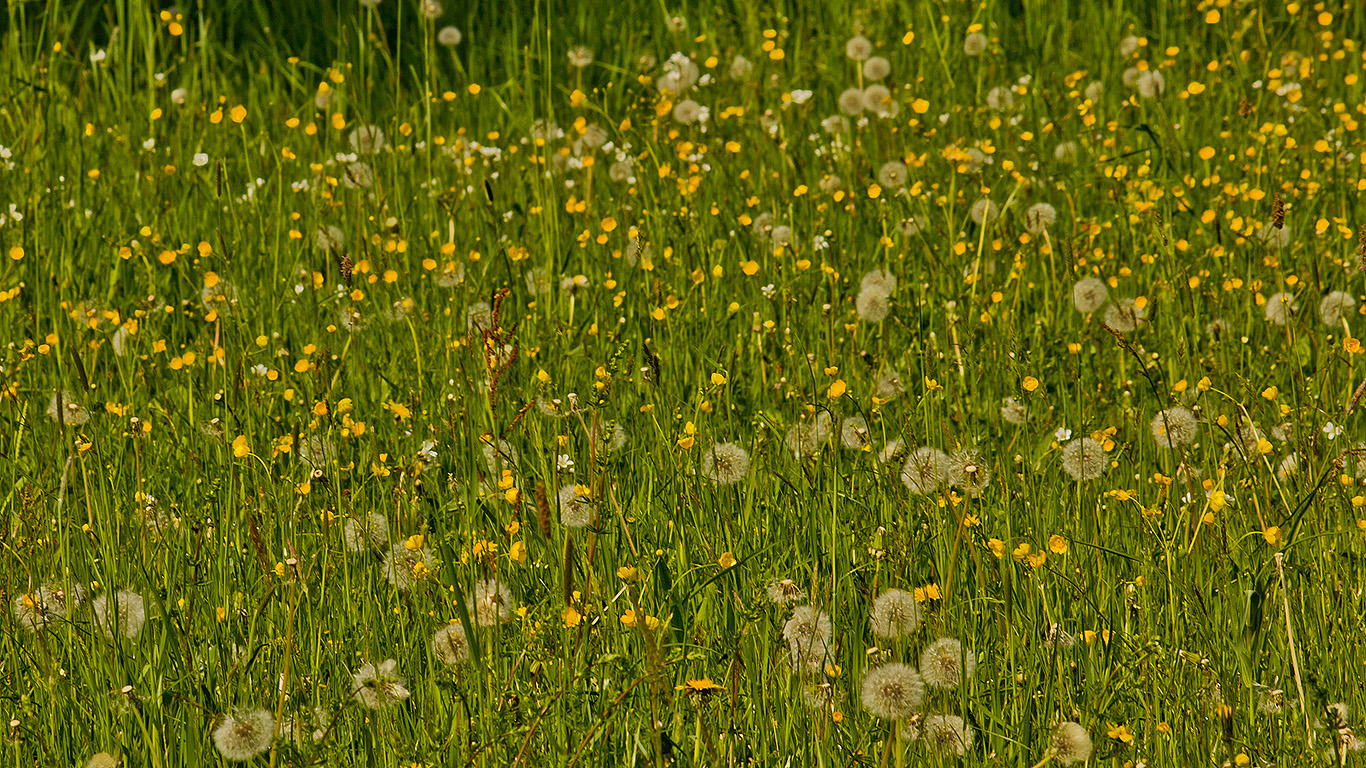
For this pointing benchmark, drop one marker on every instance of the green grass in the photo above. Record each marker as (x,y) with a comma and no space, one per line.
(186,485)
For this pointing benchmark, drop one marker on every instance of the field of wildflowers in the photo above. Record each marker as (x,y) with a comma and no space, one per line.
(579,384)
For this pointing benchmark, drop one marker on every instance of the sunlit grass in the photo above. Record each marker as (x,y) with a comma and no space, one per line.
(574,387)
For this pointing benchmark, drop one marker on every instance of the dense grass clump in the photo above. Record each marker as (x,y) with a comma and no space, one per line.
(601,384)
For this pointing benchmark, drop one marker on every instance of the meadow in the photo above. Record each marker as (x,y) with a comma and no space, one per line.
(578,384)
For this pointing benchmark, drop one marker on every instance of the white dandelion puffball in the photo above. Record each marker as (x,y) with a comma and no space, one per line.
(851,101)
(1039,217)
(368,533)
(449,37)
(124,618)
(945,663)
(1280,307)
(725,463)
(809,634)
(1089,294)
(784,591)
(876,68)
(1071,743)
(892,174)
(877,99)
(380,686)
(450,645)
(491,603)
(580,56)
(946,734)
(1124,315)
(968,472)
(984,211)
(859,48)
(244,735)
(878,280)
(33,610)
(405,567)
(64,410)
(1335,306)
(854,432)
(892,691)
(895,614)
(975,44)
(1084,459)
(1000,98)
(1174,427)
(576,508)
(367,140)
(688,112)
(925,470)
(872,305)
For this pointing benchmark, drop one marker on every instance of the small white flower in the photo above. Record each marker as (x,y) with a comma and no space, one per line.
(428,451)
(800,97)
(1062,434)
(201,159)
(563,462)
(97,56)
(1332,430)
(149,144)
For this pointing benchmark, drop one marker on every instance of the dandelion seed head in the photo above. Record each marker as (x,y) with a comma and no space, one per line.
(984,211)
(378,687)
(872,305)
(1071,743)
(125,617)
(1124,315)
(1084,459)
(1335,306)
(450,645)
(945,663)
(892,174)
(367,139)
(968,472)
(405,567)
(895,614)
(725,463)
(784,591)
(859,48)
(1280,307)
(1039,217)
(1013,411)
(576,511)
(946,734)
(876,68)
(1174,427)
(491,603)
(975,44)
(244,735)
(449,36)
(1089,294)
(892,691)
(64,409)
(34,609)
(365,534)
(925,470)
